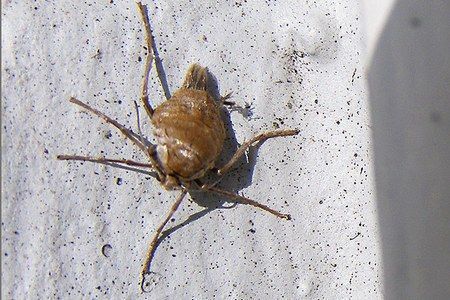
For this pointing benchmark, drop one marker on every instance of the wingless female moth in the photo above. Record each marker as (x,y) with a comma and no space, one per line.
(189,134)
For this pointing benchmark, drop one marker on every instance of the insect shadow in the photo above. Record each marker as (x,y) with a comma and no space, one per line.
(241,176)
(193,135)
(238,179)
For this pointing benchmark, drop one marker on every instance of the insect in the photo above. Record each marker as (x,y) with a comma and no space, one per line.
(190,135)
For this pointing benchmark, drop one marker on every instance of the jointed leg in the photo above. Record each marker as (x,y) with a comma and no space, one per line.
(138,121)
(224,99)
(240,199)
(137,140)
(149,60)
(105,160)
(125,131)
(154,243)
(260,137)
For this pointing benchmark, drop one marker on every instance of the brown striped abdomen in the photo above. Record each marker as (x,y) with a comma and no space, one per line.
(190,133)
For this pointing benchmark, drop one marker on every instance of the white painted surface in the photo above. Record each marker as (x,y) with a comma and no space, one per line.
(374,17)
(298,63)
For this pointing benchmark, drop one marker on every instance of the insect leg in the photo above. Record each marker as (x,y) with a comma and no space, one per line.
(258,138)
(149,59)
(125,131)
(241,199)
(138,121)
(136,139)
(103,160)
(226,97)
(154,243)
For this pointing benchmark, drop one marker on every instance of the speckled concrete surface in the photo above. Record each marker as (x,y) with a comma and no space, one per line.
(292,63)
